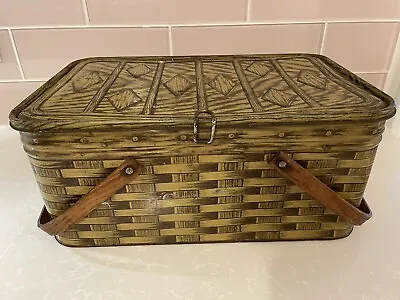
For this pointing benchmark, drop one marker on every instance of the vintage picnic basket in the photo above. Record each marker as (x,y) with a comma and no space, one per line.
(156,150)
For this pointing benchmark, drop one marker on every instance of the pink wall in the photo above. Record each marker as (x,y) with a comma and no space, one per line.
(37,38)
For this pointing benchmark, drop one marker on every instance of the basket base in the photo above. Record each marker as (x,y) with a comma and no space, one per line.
(79,243)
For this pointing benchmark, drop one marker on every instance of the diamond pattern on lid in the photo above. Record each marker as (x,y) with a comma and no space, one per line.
(258,68)
(312,79)
(278,97)
(222,84)
(178,85)
(86,80)
(124,99)
(139,70)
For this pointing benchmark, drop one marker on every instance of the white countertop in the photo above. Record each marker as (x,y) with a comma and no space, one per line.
(366,265)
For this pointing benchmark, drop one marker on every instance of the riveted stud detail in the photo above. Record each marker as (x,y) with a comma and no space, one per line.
(282,164)
(129,171)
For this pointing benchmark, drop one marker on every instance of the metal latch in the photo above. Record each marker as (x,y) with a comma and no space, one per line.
(196,126)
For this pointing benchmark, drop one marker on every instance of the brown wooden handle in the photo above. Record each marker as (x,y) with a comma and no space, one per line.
(319,191)
(124,174)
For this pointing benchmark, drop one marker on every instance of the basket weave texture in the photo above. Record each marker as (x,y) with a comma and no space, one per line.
(96,112)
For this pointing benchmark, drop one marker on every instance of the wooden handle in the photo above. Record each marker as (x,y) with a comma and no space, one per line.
(124,174)
(319,191)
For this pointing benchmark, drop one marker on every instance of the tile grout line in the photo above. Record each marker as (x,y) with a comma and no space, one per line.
(393,48)
(390,75)
(323,38)
(248,8)
(22,80)
(199,24)
(364,72)
(170,40)
(14,46)
(86,12)
(383,81)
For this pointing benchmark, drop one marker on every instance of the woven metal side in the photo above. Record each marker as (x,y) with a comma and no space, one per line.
(204,198)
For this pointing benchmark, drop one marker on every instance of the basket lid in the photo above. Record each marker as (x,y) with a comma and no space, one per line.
(130,92)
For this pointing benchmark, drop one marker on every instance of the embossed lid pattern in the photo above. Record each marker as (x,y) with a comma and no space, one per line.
(124,92)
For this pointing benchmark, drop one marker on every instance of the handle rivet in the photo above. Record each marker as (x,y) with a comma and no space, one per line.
(135,139)
(129,171)
(183,137)
(231,135)
(328,133)
(282,164)
(166,196)
(281,134)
